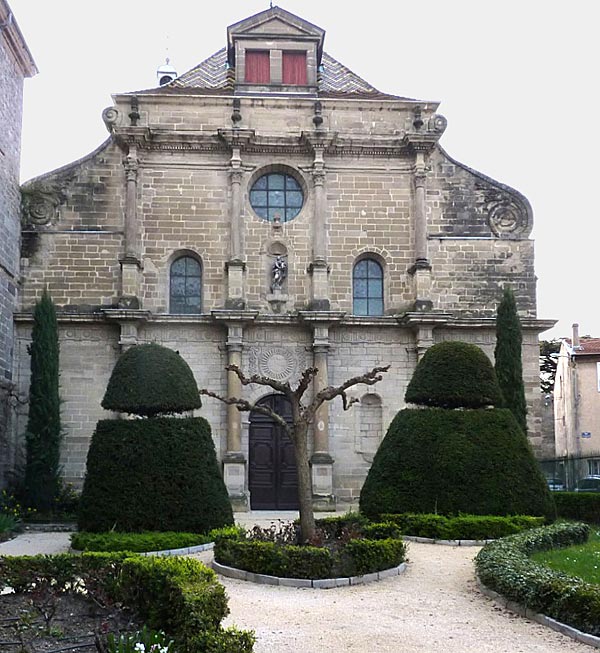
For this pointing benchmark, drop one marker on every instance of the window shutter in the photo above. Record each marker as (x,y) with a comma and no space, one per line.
(258,67)
(294,68)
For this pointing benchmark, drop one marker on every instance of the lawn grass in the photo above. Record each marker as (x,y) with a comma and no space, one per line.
(582,560)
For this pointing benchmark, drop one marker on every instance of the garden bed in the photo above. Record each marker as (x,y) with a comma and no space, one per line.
(343,548)
(177,595)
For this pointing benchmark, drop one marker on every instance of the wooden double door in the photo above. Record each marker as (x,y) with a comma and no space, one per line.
(272,475)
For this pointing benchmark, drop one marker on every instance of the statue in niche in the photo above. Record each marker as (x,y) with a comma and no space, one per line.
(278,273)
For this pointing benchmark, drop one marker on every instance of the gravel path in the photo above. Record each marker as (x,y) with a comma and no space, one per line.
(435,607)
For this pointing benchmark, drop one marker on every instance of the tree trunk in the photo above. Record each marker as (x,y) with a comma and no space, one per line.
(307,518)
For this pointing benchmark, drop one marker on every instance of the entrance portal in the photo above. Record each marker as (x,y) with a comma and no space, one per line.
(273,477)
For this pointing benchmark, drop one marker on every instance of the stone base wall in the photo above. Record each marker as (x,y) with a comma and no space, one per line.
(88,352)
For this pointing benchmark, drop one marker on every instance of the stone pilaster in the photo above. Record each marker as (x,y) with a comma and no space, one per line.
(234,460)
(131,260)
(421,269)
(318,268)
(235,266)
(129,322)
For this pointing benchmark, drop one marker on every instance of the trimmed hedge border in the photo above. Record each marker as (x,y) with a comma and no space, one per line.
(320,583)
(580,506)
(429,540)
(504,567)
(178,595)
(475,529)
(156,542)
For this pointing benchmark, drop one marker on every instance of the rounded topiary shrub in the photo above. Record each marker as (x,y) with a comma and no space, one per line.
(151,380)
(452,375)
(156,474)
(458,457)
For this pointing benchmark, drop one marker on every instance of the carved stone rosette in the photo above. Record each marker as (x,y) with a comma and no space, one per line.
(279,363)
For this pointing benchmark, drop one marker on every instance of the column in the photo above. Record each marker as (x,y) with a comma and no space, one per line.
(234,463)
(130,261)
(321,461)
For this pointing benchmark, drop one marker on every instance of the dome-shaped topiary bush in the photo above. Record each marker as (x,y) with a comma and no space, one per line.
(453,375)
(447,461)
(150,380)
(159,473)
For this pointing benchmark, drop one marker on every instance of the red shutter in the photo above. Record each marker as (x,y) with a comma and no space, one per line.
(294,68)
(258,67)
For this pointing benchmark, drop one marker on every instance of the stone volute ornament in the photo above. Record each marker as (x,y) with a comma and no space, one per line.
(507,219)
(40,202)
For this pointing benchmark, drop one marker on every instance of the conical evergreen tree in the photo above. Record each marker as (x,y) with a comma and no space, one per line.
(507,354)
(43,435)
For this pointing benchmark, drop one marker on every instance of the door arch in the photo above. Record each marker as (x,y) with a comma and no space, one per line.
(272,474)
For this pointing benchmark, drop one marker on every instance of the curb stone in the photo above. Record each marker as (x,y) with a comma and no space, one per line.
(429,540)
(321,583)
(542,619)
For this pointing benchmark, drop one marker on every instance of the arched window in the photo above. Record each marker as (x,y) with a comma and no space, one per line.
(367,288)
(185,289)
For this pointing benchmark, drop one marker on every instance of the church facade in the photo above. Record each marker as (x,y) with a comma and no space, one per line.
(273,210)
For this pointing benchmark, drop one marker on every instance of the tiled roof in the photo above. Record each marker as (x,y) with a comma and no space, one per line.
(212,76)
(586,346)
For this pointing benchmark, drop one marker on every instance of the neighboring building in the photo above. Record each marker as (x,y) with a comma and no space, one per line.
(577,401)
(16,63)
(270,208)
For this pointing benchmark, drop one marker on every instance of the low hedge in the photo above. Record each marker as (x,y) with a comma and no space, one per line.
(505,567)
(581,506)
(178,595)
(137,542)
(463,527)
(357,557)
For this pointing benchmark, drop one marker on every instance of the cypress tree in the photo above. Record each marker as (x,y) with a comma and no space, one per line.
(43,435)
(507,354)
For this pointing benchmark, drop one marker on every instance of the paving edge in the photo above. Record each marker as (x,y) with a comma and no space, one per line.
(428,540)
(542,619)
(322,583)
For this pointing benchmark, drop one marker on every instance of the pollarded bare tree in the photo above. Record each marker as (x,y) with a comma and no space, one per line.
(303,414)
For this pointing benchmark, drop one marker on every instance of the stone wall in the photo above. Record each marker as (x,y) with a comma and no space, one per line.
(11,103)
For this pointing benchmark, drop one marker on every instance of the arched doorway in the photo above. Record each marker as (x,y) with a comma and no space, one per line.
(272,476)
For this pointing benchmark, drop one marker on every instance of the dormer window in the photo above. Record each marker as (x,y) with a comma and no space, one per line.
(293,68)
(275,53)
(258,67)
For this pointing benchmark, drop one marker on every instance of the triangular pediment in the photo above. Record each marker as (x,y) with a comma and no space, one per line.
(276,26)
(274,22)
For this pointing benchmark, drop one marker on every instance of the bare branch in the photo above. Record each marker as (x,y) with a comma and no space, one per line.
(245,406)
(307,376)
(284,388)
(331,392)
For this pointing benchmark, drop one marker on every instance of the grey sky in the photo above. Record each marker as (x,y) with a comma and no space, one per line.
(517,81)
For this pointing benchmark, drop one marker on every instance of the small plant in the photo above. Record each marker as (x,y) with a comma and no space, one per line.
(8,524)
(142,641)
